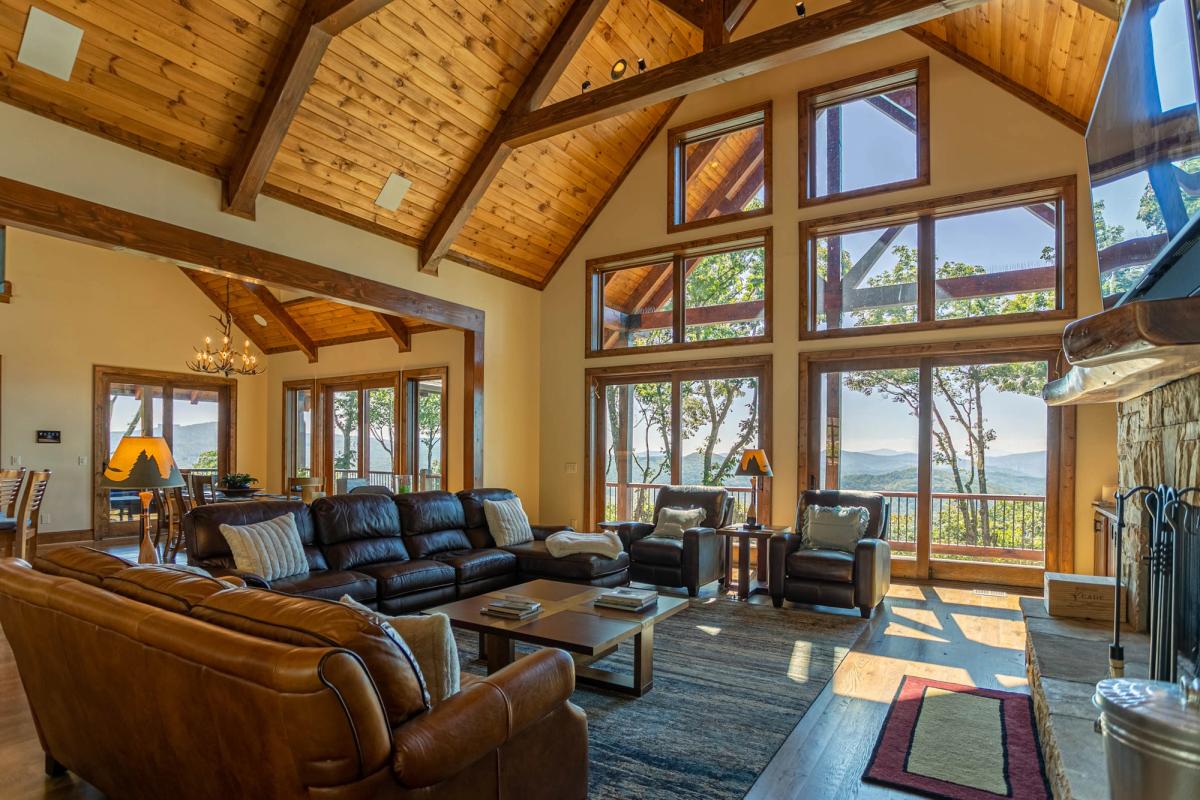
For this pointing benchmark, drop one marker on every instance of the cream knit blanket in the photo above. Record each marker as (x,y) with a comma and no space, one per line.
(564,543)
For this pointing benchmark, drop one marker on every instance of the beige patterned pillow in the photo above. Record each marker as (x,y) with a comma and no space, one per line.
(834,527)
(672,522)
(507,521)
(270,549)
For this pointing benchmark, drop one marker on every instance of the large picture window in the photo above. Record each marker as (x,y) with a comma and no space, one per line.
(720,169)
(715,291)
(661,424)
(865,135)
(1007,255)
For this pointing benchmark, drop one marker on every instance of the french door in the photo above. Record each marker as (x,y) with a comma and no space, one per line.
(426,415)
(964,448)
(655,425)
(195,414)
(362,439)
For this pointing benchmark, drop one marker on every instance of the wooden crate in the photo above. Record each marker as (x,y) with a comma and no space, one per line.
(1083,596)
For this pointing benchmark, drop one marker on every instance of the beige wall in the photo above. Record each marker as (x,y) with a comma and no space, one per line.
(60,158)
(982,138)
(76,306)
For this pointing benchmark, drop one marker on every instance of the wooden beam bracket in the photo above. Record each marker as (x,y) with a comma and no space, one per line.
(276,312)
(396,329)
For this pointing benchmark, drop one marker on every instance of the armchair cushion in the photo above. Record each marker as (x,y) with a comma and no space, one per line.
(834,527)
(875,503)
(672,522)
(833,566)
(630,532)
(657,551)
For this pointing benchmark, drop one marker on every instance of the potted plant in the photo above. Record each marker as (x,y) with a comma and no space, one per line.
(238,484)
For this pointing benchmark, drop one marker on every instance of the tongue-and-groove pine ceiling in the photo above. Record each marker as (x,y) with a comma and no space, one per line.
(417,86)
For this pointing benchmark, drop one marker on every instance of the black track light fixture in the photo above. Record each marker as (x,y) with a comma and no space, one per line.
(800,12)
(641,65)
(586,85)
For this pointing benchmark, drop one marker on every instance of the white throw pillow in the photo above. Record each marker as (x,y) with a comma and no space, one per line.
(672,522)
(431,641)
(834,527)
(507,521)
(270,549)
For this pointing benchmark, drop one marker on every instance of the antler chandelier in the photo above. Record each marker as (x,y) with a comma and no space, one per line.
(224,361)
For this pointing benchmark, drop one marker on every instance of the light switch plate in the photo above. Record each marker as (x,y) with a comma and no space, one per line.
(570,468)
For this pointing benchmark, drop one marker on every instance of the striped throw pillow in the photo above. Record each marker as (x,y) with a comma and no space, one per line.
(507,521)
(270,549)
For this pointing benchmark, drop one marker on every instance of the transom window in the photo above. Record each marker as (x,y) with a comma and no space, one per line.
(689,296)
(866,134)
(1002,256)
(720,169)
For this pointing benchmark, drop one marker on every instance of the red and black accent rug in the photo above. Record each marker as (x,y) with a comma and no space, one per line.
(957,742)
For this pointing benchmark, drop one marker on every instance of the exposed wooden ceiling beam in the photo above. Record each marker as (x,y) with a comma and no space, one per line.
(396,329)
(275,311)
(318,23)
(713,28)
(219,302)
(567,38)
(691,10)
(735,12)
(1109,8)
(818,33)
(1031,97)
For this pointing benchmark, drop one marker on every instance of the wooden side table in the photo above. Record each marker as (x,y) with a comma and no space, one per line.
(747,584)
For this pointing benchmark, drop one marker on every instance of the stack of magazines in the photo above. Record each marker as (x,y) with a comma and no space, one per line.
(512,606)
(627,599)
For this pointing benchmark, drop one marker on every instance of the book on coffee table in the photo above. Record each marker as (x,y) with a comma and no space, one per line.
(512,607)
(626,599)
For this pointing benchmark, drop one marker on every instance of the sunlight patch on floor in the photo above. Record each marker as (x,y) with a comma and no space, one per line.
(876,678)
(711,630)
(900,629)
(1005,633)
(798,664)
(1012,681)
(921,616)
(969,597)
(901,591)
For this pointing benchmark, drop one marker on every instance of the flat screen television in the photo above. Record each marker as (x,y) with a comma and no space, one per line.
(1143,148)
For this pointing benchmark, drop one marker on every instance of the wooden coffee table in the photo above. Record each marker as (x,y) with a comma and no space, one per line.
(569,621)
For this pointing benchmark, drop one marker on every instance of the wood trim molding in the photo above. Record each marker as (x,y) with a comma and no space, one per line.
(314,433)
(940,45)
(803,38)
(279,313)
(567,38)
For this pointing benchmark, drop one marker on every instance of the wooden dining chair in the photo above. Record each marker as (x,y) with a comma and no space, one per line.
(29,514)
(174,504)
(201,489)
(10,491)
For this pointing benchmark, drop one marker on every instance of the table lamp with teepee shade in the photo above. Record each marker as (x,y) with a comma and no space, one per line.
(142,464)
(754,465)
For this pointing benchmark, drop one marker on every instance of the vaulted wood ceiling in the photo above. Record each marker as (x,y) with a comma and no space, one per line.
(418,86)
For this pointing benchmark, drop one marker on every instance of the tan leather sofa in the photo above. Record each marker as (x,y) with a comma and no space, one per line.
(134,693)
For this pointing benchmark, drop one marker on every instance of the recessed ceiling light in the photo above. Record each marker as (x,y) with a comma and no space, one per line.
(259,319)
(393,191)
(618,69)
(49,44)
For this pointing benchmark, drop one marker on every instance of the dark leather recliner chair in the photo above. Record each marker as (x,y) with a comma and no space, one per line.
(697,559)
(834,577)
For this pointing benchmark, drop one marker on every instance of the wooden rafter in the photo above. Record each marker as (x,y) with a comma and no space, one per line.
(219,302)
(319,22)
(691,10)
(935,42)
(396,329)
(803,38)
(276,311)
(567,38)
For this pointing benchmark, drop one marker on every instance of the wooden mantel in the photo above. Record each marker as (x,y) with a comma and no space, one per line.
(1127,351)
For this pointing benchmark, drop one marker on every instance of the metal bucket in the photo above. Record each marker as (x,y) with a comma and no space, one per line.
(1151,739)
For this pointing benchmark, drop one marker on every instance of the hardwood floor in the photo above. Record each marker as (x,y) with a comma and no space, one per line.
(945,631)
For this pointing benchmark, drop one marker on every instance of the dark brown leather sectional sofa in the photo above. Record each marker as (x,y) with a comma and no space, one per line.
(401,553)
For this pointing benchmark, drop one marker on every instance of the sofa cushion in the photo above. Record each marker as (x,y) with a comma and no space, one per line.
(206,547)
(657,551)
(431,640)
(474,565)
(164,586)
(305,622)
(534,559)
(270,549)
(358,529)
(85,564)
(329,584)
(432,522)
(672,522)
(473,513)
(835,566)
(404,577)
(834,527)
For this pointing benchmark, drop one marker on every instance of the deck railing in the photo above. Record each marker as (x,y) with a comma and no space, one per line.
(386,478)
(634,502)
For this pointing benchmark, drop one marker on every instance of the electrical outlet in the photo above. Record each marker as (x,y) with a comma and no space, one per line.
(570,468)
(14,461)
(83,461)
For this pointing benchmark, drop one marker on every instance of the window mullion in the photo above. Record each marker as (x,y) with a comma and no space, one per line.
(676,429)
(677,305)
(924,467)
(926,268)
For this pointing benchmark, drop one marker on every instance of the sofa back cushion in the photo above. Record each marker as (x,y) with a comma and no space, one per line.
(876,505)
(358,529)
(81,563)
(308,622)
(714,500)
(476,520)
(164,586)
(432,522)
(206,545)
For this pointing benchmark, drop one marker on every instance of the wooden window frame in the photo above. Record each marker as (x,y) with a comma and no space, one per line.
(409,459)
(1060,447)
(676,372)
(104,376)
(1061,191)
(867,84)
(359,383)
(712,127)
(315,433)
(676,254)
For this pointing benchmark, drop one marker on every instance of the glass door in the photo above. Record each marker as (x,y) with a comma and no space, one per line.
(134,409)
(638,452)
(427,417)
(361,434)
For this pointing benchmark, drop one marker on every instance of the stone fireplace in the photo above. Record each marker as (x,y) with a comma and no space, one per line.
(1158,441)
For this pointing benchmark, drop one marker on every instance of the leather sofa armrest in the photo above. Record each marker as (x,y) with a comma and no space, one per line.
(542,532)
(252,580)
(780,545)
(704,551)
(481,718)
(872,572)
(630,532)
